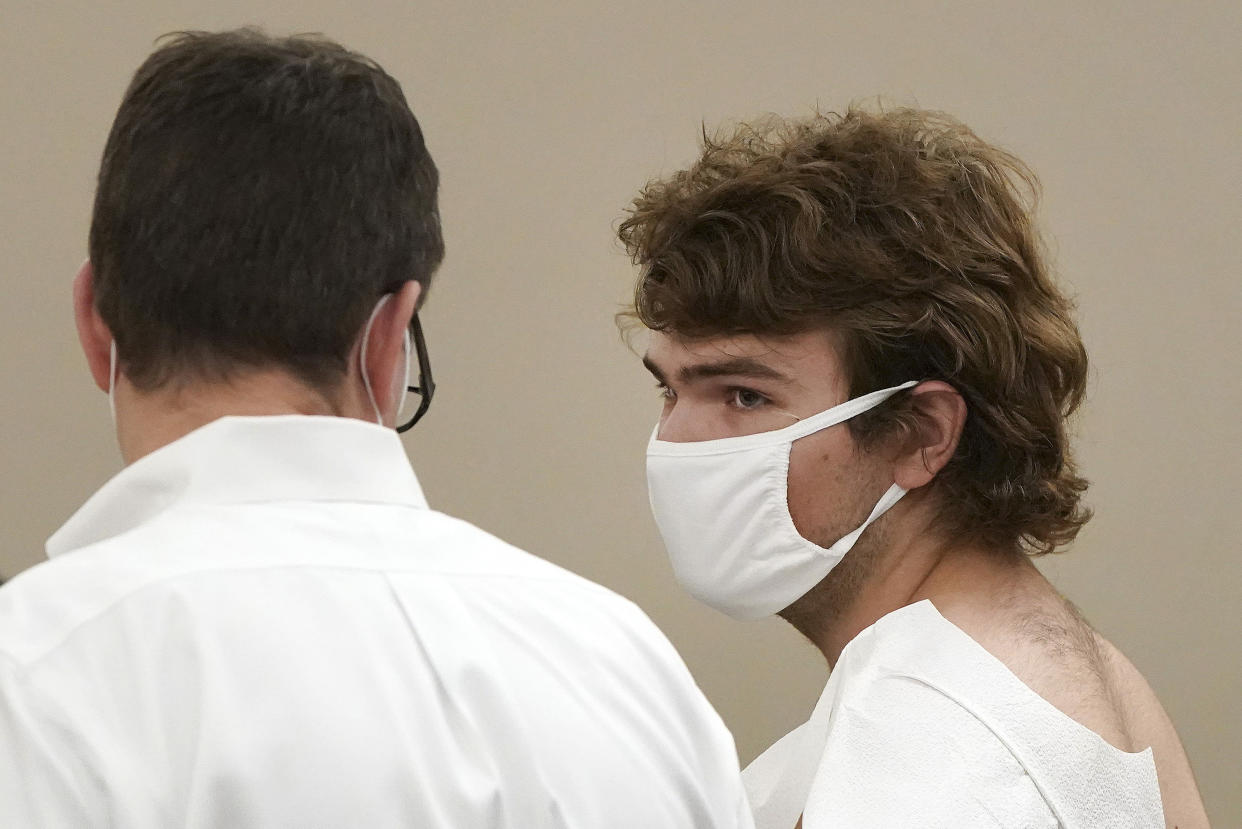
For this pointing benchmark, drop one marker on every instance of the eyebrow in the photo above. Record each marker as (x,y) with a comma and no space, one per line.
(733,367)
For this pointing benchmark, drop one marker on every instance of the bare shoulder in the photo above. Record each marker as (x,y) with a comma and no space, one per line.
(1150,725)
(1047,644)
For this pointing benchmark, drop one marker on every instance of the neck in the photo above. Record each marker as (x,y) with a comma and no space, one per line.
(913,563)
(147,421)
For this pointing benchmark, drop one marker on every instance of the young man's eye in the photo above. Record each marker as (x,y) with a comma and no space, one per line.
(746,399)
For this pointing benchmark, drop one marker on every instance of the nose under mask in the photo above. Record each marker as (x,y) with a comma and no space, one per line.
(722,508)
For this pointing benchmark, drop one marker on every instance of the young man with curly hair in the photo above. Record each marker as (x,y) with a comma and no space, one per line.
(867,373)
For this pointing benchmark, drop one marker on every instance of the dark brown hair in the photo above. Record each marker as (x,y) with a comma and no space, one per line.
(256,197)
(910,239)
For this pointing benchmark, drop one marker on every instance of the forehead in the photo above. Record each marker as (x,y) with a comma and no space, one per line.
(810,359)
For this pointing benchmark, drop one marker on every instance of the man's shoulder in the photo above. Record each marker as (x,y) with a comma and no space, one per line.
(920,701)
(927,684)
(517,663)
(477,561)
(1052,650)
(1007,668)
(185,551)
(454,546)
(534,585)
(45,604)
(903,749)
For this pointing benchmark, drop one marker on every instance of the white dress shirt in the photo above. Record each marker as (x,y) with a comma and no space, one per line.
(263,625)
(919,726)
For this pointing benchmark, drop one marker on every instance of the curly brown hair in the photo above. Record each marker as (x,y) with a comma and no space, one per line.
(912,240)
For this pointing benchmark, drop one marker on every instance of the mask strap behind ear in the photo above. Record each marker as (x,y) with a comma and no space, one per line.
(112,380)
(405,386)
(362,358)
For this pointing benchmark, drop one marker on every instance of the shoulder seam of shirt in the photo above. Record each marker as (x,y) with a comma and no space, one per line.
(570,580)
(189,505)
(39,705)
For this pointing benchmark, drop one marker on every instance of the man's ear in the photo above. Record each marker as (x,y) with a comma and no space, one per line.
(93,332)
(939,415)
(385,348)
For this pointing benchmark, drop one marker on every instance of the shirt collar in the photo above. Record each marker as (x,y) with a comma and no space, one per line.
(249,460)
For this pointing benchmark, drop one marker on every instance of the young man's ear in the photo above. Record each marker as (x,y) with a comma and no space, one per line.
(93,332)
(939,415)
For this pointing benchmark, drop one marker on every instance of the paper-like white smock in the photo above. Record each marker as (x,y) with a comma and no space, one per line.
(919,726)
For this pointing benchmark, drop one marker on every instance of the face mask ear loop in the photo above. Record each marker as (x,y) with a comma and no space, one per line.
(362,358)
(409,346)
(112,381)
(890,497)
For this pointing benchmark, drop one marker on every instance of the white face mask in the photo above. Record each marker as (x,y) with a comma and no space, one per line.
(362,358)
(722,507)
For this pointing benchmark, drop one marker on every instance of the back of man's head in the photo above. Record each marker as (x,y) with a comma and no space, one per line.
(256,197)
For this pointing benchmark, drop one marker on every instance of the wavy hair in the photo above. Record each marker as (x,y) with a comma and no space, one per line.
(912,240)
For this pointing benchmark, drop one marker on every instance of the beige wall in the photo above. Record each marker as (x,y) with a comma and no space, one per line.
(545,119)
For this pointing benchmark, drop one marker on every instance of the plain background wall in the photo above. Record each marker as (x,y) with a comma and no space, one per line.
(546,118)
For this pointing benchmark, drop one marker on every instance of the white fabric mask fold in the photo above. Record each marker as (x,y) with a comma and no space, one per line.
(723,510)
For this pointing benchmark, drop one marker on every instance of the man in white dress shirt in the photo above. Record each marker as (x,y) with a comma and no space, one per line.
(259,622)
(867,373)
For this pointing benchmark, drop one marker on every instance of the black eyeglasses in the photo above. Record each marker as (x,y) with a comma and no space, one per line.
(426,386)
